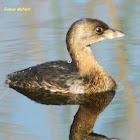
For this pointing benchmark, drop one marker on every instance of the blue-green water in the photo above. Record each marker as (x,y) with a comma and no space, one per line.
(32,37)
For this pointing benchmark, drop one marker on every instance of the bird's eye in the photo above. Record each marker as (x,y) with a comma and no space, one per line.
(99,30)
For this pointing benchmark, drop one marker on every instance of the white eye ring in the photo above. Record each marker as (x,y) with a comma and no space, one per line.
(99,30)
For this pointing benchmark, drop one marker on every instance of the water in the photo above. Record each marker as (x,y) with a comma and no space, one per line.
(31,37)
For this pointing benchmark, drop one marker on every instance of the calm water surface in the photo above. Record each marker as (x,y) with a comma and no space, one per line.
(31,37)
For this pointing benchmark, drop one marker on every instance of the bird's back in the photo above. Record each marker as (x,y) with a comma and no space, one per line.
(54,77)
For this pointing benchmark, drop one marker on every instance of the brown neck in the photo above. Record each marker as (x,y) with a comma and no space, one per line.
(84,60)
(97,79)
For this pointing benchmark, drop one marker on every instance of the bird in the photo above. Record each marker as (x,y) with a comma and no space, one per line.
(83,75)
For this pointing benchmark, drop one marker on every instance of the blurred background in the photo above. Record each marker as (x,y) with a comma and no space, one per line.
(32,37)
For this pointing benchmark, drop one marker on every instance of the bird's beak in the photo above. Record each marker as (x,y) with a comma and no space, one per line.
(112,33)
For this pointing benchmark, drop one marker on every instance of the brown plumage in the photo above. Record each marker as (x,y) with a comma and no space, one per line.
(83,75)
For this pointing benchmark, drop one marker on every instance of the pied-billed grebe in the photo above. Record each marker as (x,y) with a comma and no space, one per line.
(83,75)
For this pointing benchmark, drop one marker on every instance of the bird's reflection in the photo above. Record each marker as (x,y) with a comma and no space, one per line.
(84,120)
(91,105)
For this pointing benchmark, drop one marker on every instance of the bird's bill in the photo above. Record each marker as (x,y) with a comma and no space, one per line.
(112,33)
